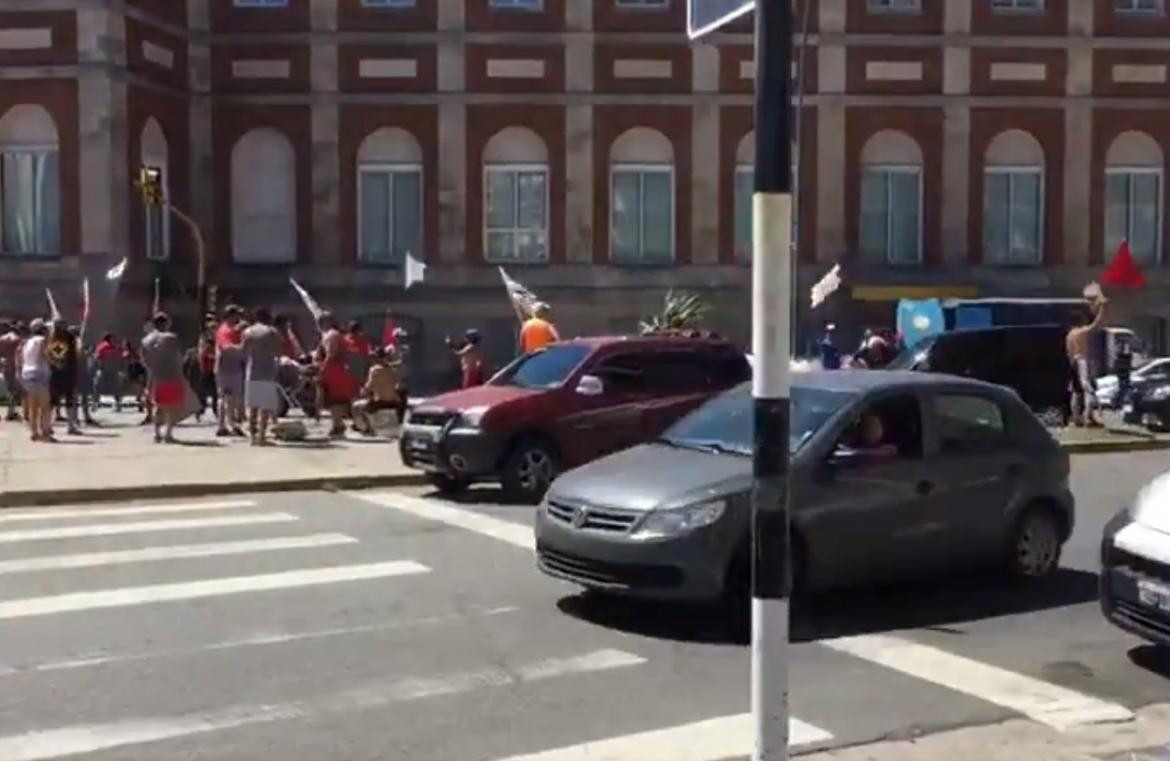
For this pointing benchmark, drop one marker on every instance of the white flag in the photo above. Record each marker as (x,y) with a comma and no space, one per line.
(116,272)
(523,300)
(415,270)
(826,285)
(310,303)
(54,312)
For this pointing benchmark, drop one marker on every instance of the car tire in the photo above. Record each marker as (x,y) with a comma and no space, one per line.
(448,486)
(530,470)
(1035,545)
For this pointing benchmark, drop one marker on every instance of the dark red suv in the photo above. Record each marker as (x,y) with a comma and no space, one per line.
(563,406)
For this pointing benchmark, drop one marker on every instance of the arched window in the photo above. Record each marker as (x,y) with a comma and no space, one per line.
(744,185)
(264,199)
(891,199)
(642,198)
(1013,199)
(515,211)
(30,185)
(158,219)
(1133,197)
(389,197)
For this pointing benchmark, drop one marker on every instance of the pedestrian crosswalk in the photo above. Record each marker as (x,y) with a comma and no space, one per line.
(142,561)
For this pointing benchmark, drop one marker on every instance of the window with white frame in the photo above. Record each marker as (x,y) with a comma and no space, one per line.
(389,175)
(1139,7)
(1133,197)
(516,198)
(157,219)
(1017,6)
(890,227)
(523,5)
(30,195)
(1013,200)
(264,198)
(642,198)
(743,187)
(893,6)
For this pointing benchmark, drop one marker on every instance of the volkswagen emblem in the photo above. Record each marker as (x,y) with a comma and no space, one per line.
(580,516)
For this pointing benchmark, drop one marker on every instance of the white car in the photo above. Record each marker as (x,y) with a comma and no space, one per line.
(1154,370)
(1135,565)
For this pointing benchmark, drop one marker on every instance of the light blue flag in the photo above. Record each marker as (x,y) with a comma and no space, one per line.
(919,318)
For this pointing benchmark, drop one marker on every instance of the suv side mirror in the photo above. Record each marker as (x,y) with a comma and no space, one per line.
(590,385)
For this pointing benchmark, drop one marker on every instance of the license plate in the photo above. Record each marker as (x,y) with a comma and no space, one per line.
(1155,595)
(419,445)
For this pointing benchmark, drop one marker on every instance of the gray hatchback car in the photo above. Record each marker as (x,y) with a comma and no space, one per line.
(894,474)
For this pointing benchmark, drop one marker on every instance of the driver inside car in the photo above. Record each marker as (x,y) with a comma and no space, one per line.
(867,440)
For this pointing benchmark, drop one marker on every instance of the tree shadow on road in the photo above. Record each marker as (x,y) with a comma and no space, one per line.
(942,604)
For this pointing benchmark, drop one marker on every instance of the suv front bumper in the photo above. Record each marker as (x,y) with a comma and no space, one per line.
(1135,590)
(460,453)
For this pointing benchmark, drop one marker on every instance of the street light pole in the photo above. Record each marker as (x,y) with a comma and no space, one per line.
(771,381)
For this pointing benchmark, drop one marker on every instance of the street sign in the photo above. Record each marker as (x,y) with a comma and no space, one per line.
(705,16)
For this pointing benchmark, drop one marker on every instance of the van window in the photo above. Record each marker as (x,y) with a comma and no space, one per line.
(968,424)
(626,373)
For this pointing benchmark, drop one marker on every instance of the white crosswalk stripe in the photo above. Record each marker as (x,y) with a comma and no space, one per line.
(45,514)
(142,527)
(176,552)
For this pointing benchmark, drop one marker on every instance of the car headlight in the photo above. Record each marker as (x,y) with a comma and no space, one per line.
(470,417)
(1160,393)
(679,520)
(1152,506)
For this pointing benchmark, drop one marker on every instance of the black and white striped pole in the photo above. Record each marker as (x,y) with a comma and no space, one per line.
(771,381)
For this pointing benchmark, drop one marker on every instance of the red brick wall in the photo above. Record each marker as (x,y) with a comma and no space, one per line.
(478,79)
(222,58)
(929,21)
(1108,123)
(64,32)
(1105,59)
(485,121)
(858,58)
(352,16)
(228,19)
(349,58)
(607,17)
(170,11)
(480,17)
(170,112)
(1055,63)
(138,33)
(1053,20)
(359,121)
(1109,24)
(606,54)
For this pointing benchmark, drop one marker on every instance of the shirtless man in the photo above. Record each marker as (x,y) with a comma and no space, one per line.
(1076,343)
(9,343)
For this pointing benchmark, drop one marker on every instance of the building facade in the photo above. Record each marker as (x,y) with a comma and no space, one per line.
(965,147)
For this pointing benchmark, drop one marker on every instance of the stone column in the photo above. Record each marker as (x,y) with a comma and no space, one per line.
(451,15)
(578,16)
(202,171)
(326,143)
(705,181)
(579,184)
(830,225)
(832,16)
(1078,134)
(957,16)
(452,181)
(956,192)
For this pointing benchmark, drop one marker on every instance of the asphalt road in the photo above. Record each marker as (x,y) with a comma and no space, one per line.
(391,625)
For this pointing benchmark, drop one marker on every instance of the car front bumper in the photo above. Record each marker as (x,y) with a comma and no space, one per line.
(690,567)
(467,454)
(1135,589)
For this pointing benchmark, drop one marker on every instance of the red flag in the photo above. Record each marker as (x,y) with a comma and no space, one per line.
(1122,271)
(388,332)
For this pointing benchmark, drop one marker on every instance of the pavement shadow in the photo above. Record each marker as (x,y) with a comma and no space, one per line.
(1152,658)
(198,444)
(941,604)
(483,495)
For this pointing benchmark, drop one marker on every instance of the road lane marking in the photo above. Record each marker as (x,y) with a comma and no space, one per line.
(1050,704)
(90,738)
(257,639)
(708,740)
(176,552)
(141,527)
(432,510)
(191,590)
(44,514)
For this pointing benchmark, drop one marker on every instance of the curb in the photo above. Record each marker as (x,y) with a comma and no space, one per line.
(169,491)
(1114,447)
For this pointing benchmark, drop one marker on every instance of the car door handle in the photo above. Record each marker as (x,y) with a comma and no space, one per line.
(924,488)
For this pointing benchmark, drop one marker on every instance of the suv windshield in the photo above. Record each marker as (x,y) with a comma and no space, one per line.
(547,368)
(911,356)
(724,424)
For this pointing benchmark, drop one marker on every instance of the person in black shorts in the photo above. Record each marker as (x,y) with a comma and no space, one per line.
(63,369)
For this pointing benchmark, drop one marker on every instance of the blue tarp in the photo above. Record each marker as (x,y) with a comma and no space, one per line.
(919,318)
(973,317)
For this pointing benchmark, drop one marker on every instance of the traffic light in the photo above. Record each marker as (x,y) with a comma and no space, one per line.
(149,185)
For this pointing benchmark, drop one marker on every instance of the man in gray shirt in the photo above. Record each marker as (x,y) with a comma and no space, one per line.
(261,350)
(162,354)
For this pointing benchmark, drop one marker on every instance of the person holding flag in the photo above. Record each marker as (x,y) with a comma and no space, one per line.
(538,331)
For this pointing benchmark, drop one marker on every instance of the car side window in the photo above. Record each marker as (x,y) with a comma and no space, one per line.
(727,369)
(625,373)
(968,424)
(679,372)
(889,428)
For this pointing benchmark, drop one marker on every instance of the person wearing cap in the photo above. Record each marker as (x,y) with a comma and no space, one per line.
(470,359)
(33,361)
(537,331)
(162,353)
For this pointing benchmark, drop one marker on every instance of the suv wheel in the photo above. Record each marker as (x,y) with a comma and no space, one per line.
(1035,544)
(448,486)
(530,470)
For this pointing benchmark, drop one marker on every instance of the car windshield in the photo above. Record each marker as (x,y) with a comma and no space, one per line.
(547,368)
(724,424)
(912,356)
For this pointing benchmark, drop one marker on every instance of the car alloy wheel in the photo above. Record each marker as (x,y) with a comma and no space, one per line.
(1037,546)
(535,470)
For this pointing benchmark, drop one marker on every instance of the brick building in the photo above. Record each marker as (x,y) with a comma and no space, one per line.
(990,147)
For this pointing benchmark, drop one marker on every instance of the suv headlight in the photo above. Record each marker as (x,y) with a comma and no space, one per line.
(679,520)
(470,417)
(1160,393)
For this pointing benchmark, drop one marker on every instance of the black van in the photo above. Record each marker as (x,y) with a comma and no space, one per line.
(1030,359)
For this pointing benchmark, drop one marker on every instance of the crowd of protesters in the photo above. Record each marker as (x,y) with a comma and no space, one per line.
(246,371)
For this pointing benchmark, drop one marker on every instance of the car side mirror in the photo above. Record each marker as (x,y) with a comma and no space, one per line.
(590,385)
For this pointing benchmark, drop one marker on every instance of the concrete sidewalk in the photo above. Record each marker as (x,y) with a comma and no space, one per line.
(119,460)
(1116,436)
